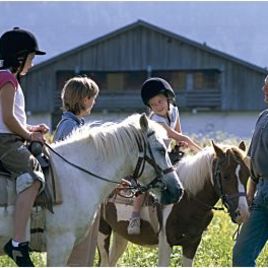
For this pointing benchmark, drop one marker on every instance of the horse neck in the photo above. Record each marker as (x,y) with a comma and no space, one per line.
(87,155)
(195,171)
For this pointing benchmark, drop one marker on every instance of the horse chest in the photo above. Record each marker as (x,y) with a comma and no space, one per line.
(187,227)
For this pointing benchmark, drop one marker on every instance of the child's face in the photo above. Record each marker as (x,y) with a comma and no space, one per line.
(88,102)
(28,63)
(159,104)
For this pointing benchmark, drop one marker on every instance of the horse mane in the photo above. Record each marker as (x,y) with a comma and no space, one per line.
(195,170)
(111,138)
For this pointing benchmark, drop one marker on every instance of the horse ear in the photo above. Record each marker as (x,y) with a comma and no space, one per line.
(242,146)
(219,152)
(144,122)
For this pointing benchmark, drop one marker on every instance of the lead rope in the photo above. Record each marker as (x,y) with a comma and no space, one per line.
(237,232)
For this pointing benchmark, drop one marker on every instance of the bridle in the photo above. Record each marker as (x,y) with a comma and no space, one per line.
(157,182)
(218,186)
(217,179)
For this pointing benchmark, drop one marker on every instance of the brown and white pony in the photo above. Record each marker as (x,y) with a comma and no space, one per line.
(217,172)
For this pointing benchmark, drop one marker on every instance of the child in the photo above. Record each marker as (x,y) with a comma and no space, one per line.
(158,95)
(78,98)
(17,50)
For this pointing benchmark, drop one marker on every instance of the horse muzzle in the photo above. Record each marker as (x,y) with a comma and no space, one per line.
(171,196)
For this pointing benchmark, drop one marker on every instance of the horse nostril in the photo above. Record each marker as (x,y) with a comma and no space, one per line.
(237,213)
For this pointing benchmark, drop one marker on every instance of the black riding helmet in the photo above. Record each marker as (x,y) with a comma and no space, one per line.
(18,42)
(154,86)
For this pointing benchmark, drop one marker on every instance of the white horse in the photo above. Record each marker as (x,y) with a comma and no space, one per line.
(110,151)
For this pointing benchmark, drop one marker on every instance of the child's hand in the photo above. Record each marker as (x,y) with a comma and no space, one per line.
(43,128)
(183,144)
(37,136)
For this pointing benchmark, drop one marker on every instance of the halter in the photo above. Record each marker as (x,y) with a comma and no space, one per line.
(217,179)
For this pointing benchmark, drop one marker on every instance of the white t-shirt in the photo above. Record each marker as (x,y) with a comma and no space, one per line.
(171,120)
(19,102)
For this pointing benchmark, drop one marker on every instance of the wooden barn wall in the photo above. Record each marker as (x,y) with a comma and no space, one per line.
(243,88)
(135,50)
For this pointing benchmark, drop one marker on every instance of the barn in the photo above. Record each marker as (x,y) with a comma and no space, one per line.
(204,79)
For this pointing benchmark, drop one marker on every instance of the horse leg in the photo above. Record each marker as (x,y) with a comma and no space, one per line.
(164,249)
(103,242)
(118,247)
(59,248)
(83,254)
(188,253)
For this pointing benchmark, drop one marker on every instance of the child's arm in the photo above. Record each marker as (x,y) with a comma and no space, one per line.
(7,102)
(180,137)
(178,126)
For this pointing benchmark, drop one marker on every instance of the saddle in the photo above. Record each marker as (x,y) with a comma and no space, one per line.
(48,197)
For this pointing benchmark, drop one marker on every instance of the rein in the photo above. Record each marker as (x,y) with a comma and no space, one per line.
(78,167)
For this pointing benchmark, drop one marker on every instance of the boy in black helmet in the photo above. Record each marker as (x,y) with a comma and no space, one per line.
(158,95)
(17,50)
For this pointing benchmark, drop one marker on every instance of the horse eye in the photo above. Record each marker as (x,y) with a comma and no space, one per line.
(162,151)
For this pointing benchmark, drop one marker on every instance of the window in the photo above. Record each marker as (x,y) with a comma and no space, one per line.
(177,79)
(206,79)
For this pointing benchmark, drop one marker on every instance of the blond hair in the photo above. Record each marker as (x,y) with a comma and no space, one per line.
(75,90)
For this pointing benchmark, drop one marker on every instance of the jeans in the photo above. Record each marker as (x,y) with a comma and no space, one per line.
(254,232)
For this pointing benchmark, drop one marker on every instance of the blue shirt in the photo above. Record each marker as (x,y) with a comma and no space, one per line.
(67,124)
(258,150)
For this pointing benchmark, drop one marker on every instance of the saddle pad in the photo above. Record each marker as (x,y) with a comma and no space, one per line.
(54,186)
(118,199)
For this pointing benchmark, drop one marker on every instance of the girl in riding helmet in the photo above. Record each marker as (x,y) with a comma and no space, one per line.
(159,96)
(17,50)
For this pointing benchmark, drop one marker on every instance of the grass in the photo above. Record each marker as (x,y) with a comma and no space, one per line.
(215,249)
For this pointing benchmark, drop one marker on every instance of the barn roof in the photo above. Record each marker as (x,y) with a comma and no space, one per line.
(141,23)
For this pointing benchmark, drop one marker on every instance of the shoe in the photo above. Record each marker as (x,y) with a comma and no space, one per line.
(20,254)
(134,226)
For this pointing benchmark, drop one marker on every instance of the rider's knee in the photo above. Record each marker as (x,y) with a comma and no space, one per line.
(28,180)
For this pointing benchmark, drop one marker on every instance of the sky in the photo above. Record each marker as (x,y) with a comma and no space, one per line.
(236,28)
